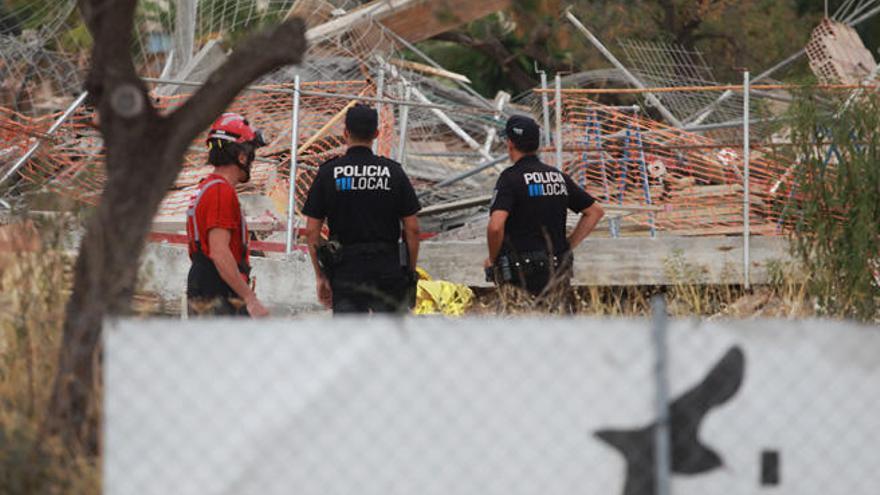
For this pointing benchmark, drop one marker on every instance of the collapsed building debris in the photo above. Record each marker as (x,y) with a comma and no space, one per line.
(655,178)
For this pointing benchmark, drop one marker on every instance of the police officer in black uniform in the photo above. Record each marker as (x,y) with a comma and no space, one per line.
(528,246)
(363,267)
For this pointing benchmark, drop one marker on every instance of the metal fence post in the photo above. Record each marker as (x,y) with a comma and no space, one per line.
(558,121)
(661,380)
(380,93)
(294,141)
(545,106)
(404,122)
(746,200)
(184,33)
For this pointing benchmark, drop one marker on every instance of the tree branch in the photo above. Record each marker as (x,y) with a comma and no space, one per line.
(259,54)
(537,50)
(144,155)
(111,24)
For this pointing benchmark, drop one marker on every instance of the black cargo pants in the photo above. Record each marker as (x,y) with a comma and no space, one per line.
(370,279)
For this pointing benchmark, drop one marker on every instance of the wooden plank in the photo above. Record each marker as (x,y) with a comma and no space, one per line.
(694,191)
(427,18)
(431,71)
(413,20)
(316,12)
(328,126)
(629,261)
(709,216)
(755,229)
(483,200)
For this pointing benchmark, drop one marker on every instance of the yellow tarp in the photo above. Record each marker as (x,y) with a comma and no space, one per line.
(441,297)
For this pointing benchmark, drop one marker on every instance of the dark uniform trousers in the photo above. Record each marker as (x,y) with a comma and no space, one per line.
(370,278)
(207,294)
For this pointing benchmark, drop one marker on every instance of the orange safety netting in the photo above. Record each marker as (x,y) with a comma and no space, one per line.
(71,162)
(690,183)
(679,182)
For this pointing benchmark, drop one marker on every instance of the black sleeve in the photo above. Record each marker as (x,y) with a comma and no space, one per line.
(407,201)
(504,194)
(317,202)
(578,199)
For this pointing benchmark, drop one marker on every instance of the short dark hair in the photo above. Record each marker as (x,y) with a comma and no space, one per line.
(362,122)
(524,133)
(222,152)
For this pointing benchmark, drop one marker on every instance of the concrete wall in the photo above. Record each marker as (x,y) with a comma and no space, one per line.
(288,283)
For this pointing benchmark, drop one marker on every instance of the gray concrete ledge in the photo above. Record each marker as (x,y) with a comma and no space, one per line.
(288,284)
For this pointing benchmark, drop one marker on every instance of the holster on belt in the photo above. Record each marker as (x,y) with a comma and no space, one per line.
(329,254)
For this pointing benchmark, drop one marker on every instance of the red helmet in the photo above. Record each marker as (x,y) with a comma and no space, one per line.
(235,128)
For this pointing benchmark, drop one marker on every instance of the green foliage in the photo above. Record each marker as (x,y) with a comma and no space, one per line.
(837,202)
(486,75)
(228,18)
(731,34)
(162,15)
(32,14)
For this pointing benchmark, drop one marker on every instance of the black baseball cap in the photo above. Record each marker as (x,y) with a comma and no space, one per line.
(362,121)
(523,132)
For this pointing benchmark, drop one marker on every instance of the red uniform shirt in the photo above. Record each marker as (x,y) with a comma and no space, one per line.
(217,208)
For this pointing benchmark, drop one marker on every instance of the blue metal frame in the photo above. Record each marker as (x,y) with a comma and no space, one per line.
(646,183)
(594,141)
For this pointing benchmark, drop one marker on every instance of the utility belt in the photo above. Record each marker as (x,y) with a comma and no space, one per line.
(509,267)
(332,253)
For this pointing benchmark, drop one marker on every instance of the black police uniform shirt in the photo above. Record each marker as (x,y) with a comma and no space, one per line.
(362,196)
(536,197)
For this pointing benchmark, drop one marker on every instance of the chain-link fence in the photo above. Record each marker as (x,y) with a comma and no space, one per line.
(491,406)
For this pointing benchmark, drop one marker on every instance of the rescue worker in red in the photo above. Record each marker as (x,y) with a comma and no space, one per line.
(219,278)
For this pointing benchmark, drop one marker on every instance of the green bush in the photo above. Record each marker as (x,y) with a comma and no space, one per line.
(834,210)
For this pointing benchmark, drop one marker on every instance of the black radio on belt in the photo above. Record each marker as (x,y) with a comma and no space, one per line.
(329,254)
(403,254)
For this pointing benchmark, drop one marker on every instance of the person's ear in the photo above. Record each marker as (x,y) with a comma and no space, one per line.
(346,135)
(376,134)
(242,158)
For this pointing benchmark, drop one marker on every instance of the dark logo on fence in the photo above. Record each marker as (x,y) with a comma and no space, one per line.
(686,414)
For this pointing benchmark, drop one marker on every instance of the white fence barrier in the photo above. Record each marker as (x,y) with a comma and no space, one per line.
(488,406)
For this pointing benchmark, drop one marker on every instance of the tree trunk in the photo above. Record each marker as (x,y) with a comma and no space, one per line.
(105,277)
(144,155)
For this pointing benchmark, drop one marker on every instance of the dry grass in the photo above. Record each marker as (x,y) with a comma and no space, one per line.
(785,296)
(722,301)
(34,283)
